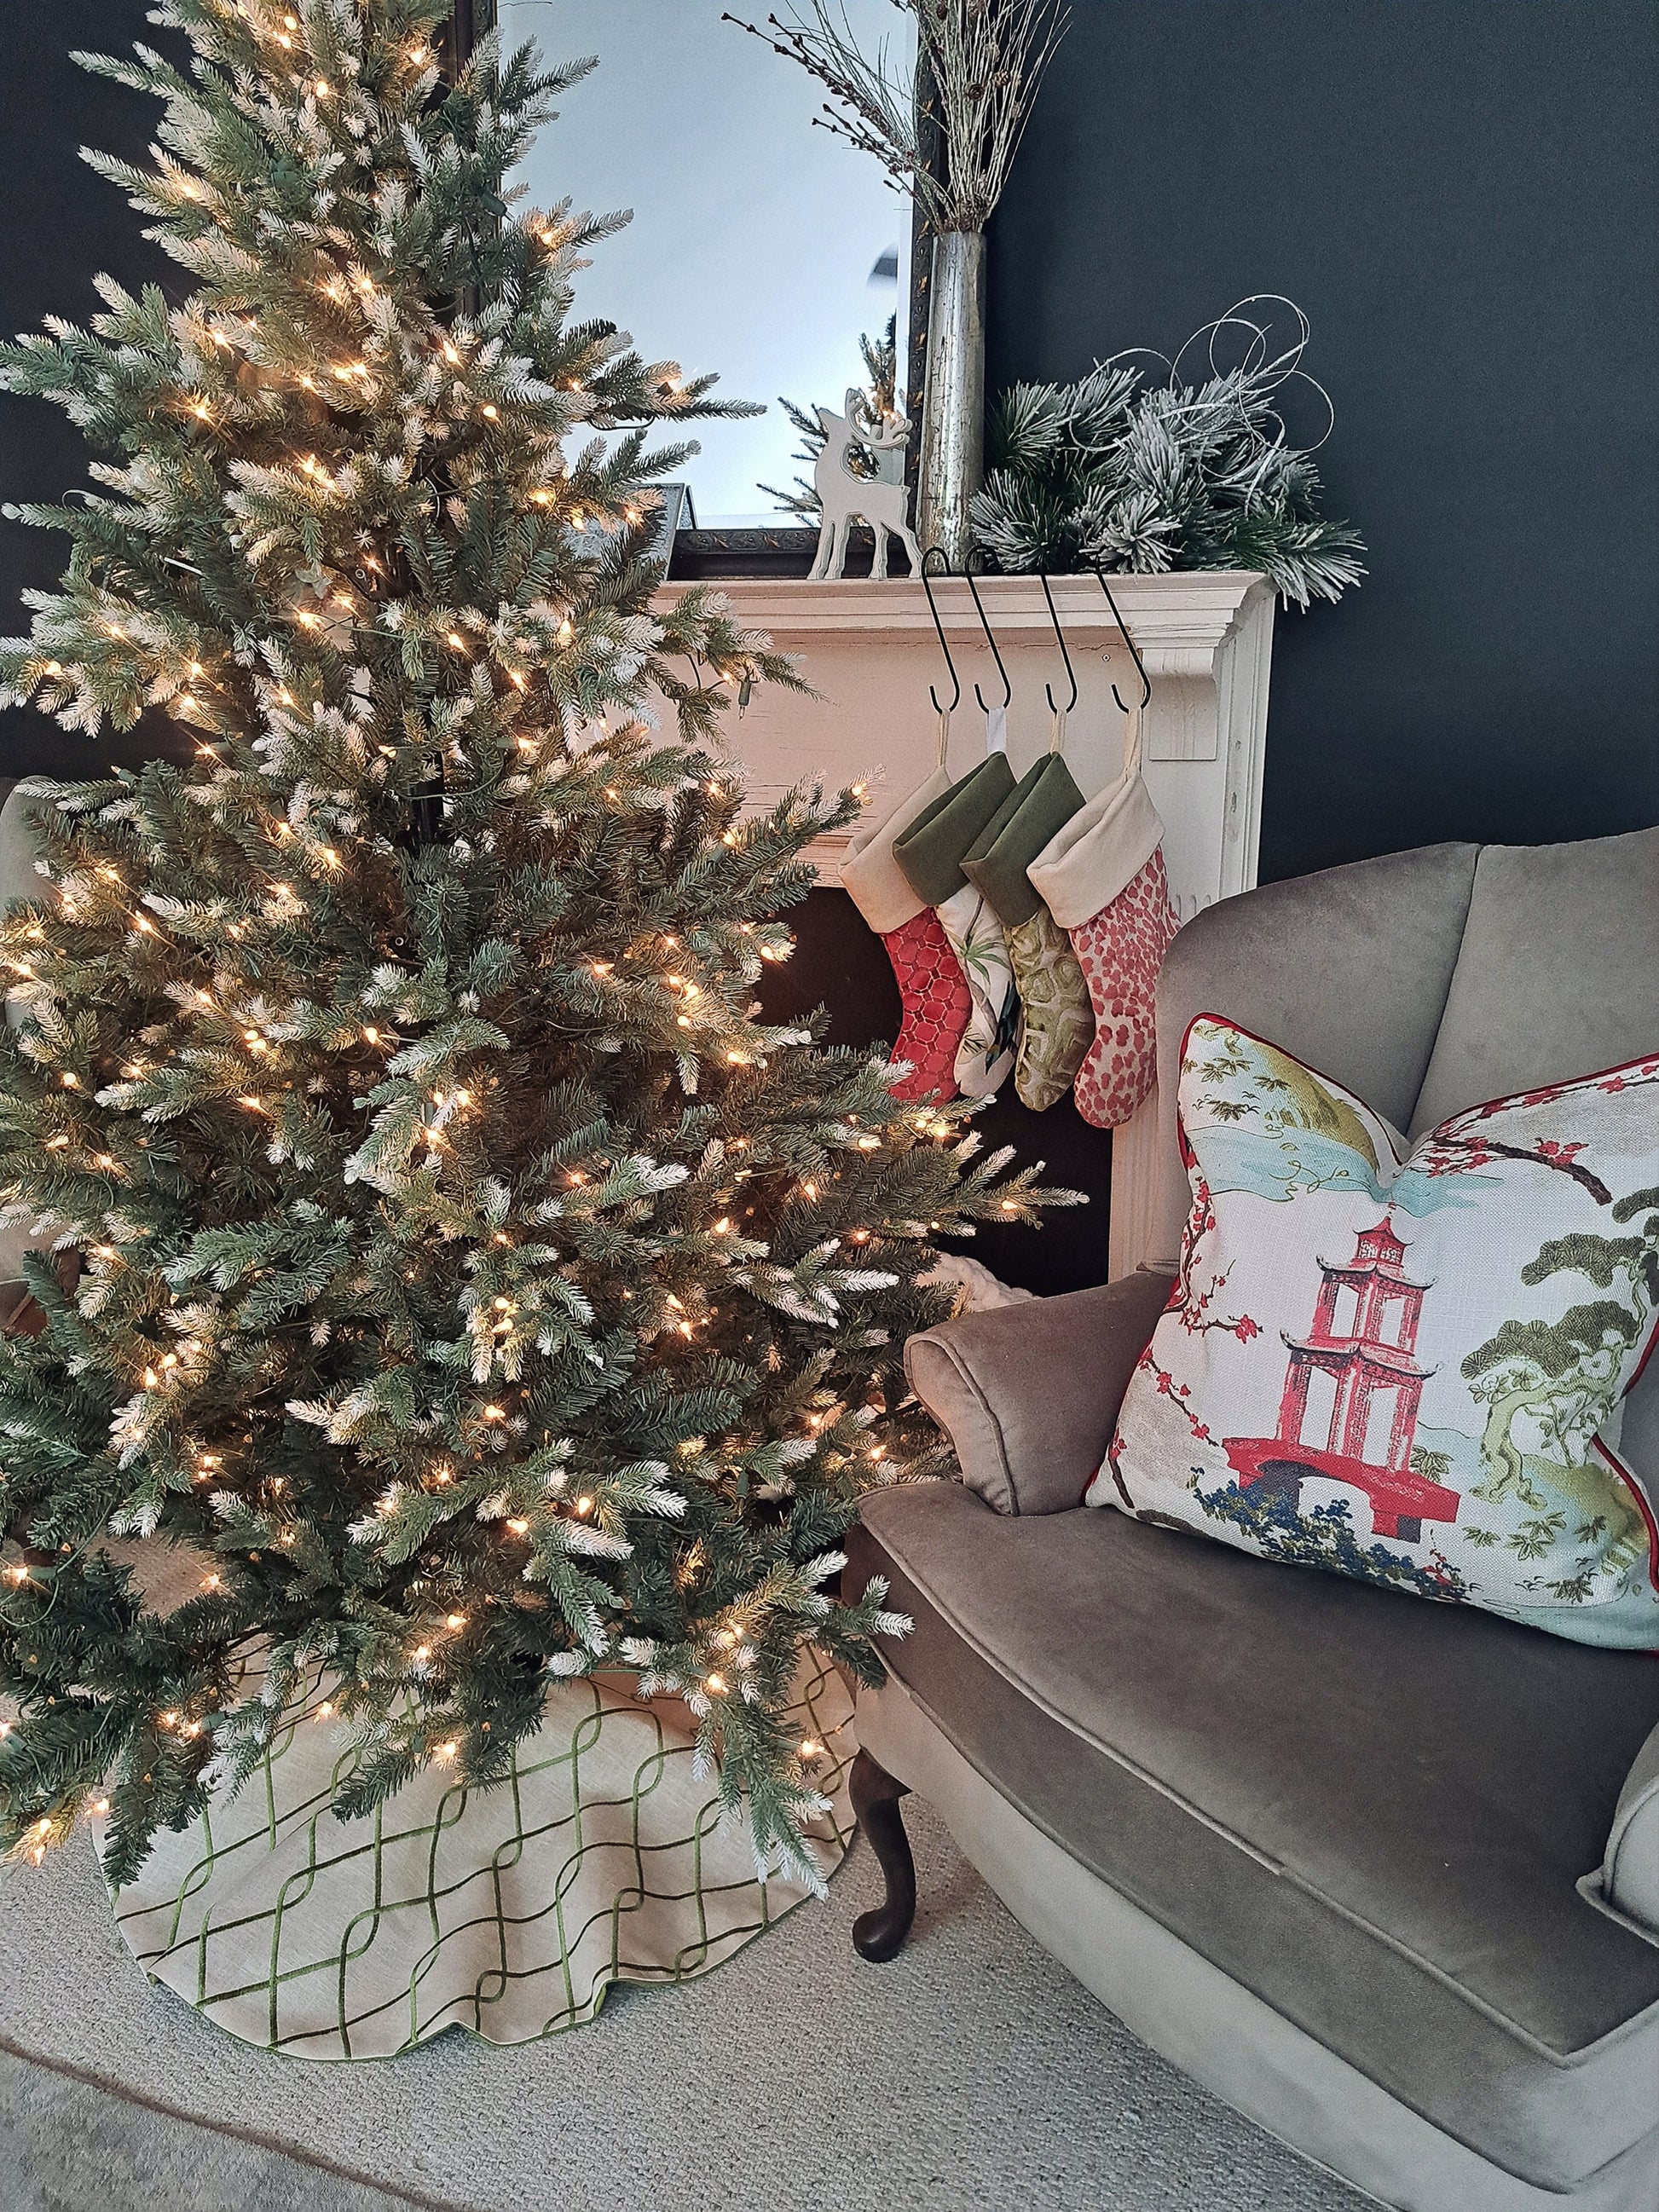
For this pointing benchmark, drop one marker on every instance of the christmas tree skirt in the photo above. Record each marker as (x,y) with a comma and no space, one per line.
(509,1911)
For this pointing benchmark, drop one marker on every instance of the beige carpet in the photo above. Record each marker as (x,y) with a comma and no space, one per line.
(65,2143)
(971,2072)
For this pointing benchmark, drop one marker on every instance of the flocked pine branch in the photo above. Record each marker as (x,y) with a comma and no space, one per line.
(1149,477)
(457,1270)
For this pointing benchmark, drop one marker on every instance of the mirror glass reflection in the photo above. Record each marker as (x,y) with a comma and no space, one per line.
(761,246)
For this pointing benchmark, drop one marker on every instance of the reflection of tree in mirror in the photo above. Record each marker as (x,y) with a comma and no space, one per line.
(880,400)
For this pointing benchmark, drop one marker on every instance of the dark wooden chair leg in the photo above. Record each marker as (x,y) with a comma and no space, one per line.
(876,1793)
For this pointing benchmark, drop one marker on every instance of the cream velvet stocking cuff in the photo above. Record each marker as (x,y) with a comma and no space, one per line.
(870,876)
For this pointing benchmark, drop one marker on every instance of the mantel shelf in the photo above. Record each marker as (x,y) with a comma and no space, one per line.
(1183,618)
(870,652)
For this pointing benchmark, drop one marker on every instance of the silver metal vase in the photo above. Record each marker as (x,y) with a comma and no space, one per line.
(952,462)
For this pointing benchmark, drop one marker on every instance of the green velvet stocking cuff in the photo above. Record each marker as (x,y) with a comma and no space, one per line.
(1040,806)
(929,851)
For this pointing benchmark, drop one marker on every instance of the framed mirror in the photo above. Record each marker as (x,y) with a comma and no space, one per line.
(761,247)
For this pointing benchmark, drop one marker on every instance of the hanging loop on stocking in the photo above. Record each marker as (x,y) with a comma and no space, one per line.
(944,734)
(1133,728)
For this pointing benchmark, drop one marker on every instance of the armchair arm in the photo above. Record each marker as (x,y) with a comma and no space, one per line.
(1629,1878)
(1028,1394)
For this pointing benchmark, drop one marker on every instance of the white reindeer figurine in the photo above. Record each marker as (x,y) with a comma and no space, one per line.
(844,498)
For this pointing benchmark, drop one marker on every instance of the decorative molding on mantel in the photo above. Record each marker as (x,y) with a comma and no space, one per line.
(870,653)
(1186,612)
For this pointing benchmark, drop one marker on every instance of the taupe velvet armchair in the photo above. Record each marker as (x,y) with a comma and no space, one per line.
(1384,1875)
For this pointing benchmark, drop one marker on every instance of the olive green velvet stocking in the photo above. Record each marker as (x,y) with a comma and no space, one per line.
(1059,1022)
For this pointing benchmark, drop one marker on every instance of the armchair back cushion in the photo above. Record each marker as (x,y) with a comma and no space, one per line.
(1348,969)
(1557,974)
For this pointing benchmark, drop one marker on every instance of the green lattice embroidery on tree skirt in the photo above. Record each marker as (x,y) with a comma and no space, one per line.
(508,1910)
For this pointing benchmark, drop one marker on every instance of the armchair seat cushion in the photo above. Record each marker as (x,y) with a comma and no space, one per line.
(1372,1814)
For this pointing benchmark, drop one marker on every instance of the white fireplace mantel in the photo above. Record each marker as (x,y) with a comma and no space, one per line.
(870,653)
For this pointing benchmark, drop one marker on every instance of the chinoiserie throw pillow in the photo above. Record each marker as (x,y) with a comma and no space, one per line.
(1407,1365)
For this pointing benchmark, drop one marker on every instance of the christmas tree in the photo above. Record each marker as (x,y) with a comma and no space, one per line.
(451,1264)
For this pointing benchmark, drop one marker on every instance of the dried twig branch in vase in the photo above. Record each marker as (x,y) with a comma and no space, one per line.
(978,64)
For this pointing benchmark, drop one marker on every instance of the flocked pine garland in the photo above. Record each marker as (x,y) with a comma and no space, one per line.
(451,1254)
(1126,473)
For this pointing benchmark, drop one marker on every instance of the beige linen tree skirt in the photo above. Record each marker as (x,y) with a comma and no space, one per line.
(604,1857)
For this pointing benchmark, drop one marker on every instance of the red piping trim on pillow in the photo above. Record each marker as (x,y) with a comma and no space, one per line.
(1632,1483)
(1646,1063)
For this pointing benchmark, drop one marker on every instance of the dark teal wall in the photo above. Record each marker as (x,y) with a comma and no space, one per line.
(1464,195)
(62,225)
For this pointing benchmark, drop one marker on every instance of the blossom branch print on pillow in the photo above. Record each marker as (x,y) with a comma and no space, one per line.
(1403,1365)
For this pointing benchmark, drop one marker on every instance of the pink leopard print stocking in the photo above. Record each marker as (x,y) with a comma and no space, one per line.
(1120,951)
(937,1003)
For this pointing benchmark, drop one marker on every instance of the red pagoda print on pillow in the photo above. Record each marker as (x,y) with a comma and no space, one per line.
(1359,1344)
(1409,1369)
